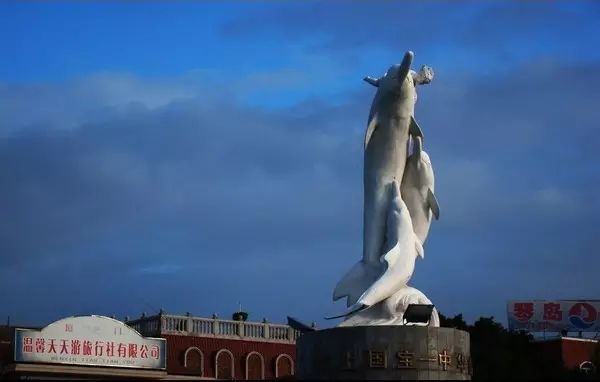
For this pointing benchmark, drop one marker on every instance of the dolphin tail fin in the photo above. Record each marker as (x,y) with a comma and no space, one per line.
(433,204)
(414,129)
(370,130)
(355,282)
(354,309)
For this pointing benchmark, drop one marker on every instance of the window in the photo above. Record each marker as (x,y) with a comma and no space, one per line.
(587,367)
(284,366)
(193,360)
(255,366)
(224,364)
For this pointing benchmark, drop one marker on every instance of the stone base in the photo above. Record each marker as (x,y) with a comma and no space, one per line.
(384,352)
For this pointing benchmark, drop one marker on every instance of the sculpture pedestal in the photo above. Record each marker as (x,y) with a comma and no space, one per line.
(384,352)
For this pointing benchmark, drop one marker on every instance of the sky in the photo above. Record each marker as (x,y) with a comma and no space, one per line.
(192,156)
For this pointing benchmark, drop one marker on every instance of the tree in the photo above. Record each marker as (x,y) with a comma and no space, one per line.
(497,353)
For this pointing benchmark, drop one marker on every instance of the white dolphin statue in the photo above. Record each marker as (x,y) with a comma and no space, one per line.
(391,119)
(417,189)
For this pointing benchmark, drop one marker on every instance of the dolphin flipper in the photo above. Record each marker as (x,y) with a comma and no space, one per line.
(419,247)
(414,129)
(372,81)
(433,204)
(370,130)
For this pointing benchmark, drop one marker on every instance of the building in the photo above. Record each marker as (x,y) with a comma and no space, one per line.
(559,318)
(81,347)
(572,353)
(154,347)
(222,349)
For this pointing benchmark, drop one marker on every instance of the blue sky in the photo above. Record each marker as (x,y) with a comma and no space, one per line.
(190,155)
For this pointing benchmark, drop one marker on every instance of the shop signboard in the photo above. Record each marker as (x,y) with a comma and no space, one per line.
(554,315)
(90,340)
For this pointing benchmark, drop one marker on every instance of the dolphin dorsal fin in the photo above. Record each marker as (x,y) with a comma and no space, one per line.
(433,204)
(370,130)
(414,129)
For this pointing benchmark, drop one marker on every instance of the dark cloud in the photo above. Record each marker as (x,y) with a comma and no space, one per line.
(466,35)
(188,200)
(519,214)
(188,190)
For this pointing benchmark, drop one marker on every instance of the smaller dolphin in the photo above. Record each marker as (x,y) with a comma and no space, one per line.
(399,261)
(417,190)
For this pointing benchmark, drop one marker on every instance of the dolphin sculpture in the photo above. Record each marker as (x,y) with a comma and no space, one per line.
(391,118)
(396,306)
(417,190)
(391,310)
(399,261)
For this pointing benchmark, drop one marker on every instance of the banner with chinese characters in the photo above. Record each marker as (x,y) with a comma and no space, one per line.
(90,340)
(554,316)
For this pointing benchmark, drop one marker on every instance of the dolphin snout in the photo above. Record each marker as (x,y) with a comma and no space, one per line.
(405,66)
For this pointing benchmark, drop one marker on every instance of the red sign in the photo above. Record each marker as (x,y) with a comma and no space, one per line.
(558,315)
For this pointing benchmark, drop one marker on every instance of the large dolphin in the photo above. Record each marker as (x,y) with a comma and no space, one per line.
(417,190)
(386,141)
(399,260)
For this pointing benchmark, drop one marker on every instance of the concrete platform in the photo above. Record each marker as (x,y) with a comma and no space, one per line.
(384,353)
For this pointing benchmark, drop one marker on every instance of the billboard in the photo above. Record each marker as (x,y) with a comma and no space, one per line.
(90,340)
(554,315)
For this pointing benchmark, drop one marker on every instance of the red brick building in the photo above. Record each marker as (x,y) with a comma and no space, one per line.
(222,349)
(195,348)
(572,353)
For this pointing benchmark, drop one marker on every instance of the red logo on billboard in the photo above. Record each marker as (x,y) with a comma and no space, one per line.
(523,311)
(582,315)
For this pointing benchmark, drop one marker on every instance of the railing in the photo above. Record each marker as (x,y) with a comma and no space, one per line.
(148,327)
(228,328)
(279,332)
(213,327)
(172,324)
(202,325)
(254,330)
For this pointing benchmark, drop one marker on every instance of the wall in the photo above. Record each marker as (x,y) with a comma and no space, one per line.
(574,352)
(177,345)
(571,352)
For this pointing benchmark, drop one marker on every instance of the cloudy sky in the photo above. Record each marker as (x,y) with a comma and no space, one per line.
(193,155)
